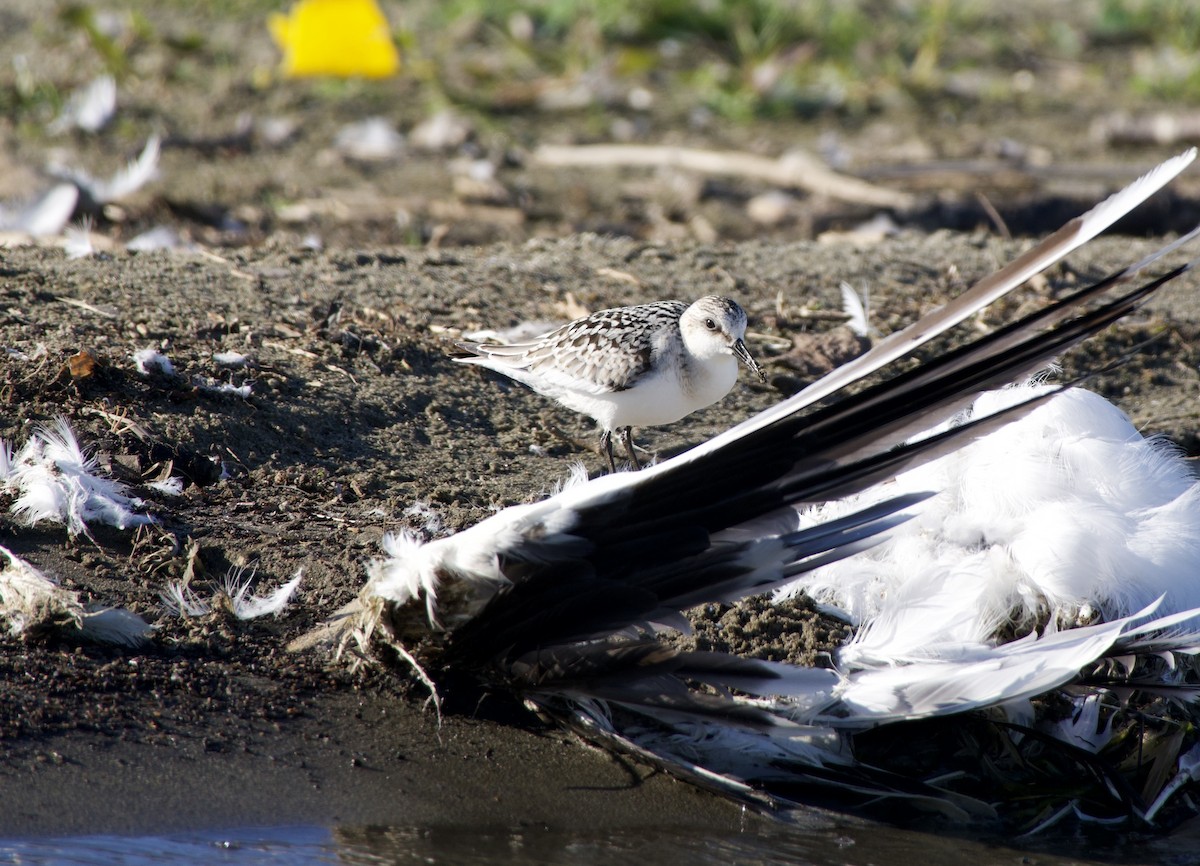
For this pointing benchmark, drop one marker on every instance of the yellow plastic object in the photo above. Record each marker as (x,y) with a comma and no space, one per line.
(335,37)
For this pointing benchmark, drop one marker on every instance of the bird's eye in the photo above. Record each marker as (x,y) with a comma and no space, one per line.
(710,324)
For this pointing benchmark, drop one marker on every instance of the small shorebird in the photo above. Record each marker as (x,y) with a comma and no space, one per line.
(631,366)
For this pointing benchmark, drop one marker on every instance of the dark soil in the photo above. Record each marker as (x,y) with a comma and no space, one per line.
(357,413)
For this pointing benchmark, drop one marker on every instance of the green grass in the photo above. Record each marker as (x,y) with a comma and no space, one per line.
(763,58)
(744,59)
(1151,23)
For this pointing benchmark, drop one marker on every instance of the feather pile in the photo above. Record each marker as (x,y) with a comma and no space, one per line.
(1067,514)
(54,480)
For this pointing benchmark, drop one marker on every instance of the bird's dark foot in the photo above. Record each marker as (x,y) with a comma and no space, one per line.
(606,449)
(626,437)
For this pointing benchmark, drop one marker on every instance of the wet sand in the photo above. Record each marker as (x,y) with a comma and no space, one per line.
(347,760)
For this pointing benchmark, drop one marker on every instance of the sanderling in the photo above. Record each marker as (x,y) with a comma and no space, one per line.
(631,367)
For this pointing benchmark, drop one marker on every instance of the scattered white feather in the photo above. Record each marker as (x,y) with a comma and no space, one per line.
(114,625)
(445,130)
(858,310)
(32,603)
(150,362)
(577,475)
(133,177)
(179,599)
(157,238)
(246,606)
(55,481)
(771,208)
(172,486)
(223,389)
(431,522)
(481,170)
(45,216)
(124,183)
(89,108)
(39,351)
(232,594)
(370,140)
(872,231)
(78,241)
(230,359)
(274,131)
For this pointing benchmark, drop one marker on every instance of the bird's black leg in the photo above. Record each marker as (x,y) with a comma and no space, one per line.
(626,437)
(606,447)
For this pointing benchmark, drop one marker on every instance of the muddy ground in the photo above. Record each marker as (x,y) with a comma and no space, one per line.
(356,413)
(345,282)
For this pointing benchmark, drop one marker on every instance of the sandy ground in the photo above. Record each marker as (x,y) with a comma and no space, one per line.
(345,282)
(355,414)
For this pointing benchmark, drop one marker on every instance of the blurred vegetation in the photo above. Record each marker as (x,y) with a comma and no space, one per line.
(745,58)
(738,59)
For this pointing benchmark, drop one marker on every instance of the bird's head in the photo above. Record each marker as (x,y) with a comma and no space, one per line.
(716,326)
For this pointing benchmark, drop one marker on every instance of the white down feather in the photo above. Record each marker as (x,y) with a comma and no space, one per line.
(1068,511)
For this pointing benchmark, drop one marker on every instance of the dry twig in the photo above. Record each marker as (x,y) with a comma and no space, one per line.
(796,170)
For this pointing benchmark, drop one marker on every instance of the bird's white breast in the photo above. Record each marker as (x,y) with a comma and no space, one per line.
(670,392)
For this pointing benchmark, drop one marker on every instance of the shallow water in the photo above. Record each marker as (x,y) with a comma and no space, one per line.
(758,844)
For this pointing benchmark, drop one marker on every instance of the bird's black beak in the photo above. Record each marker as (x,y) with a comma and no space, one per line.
(743,355)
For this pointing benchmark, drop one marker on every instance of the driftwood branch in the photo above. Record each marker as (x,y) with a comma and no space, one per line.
(795,170)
